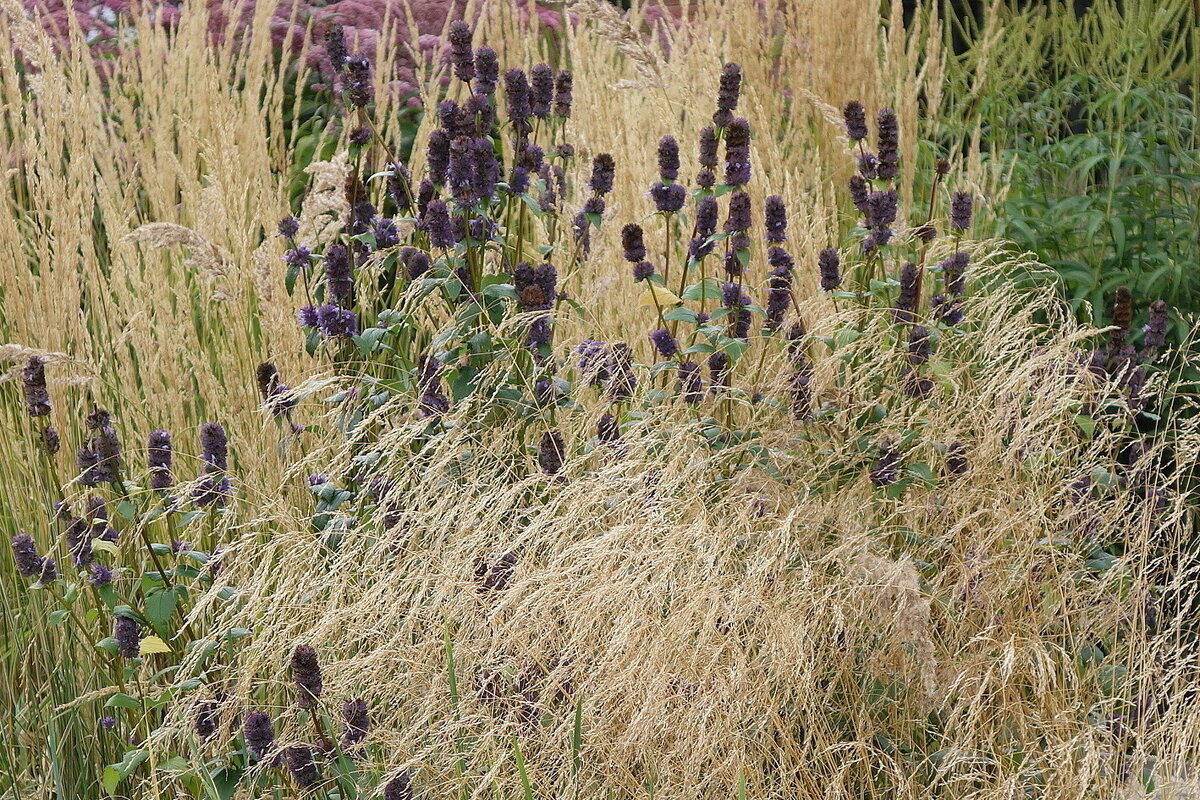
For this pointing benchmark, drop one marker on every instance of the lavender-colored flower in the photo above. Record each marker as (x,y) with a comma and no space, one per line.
(954,271)
(775,213)
(518,181)
(739,219)
(1154,333)
(258,732)
(214,446)
(593,360)
(356,721)
(479,114)
(664,343)
(728,94)
(737,153)
(487,71)
(642,271)
(25,555)
(540,333)
(437,222)
(868,166)
(719,367)
(551,452)
(97,515)
(916,385)
(461,54)
(1122,318)
(301,766)
(416,263)
(541,90)
(956,459)
(299,258)
(399,186)
(632,243)
(336,321)
(668,159)
(581,231)
(531,157)
(691,385)
(960,211)
(128,635)
(594,205)
(49,571)
(360,136)
(399,787)
(919,345)
(437,156)
(98,420)
(906,302)
(516,93)
(668,197)
(339,280)
(856,121)
(830,267)
(335,47)
(106,447)
(535,285)
(708,148)
(889,144)
(306,673)
(79,542)
(859,194)
(386,234)
(460,172)
(800,388)
(886,469)
(100,575)
(881,208)
(50,439)
(359,90)
(779,297)
(705,179)
(563,87)
(33,379)
(307,316)
(947,310)
(604,170)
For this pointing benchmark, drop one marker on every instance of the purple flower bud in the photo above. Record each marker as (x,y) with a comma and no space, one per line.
(886,469)
(25,555)
(259,733)
(49,571)
(632,243)
(399,787)
(33,378)
(487,71)
(159,455)
(399,186)
(856,121)
(954,272)
(859,194)
(642,270)
(668,158)
(532,157)
(603,171)
(516,92)
(919,346)
(906,302)
(288,227)
(437,222)
(518,181)
(800,387)
(705,179)
(307,316)
(708,148)
(915,385)
(829,266)
(339,280)
(960,211)
(1154,333)
(779,297)
(357,722)
(691,385)
(776,219)
(50,439)
(335,47)
(108,723)
(581,230)
(214,446)
(541,90)
(608,430)
(360,136)
(437,154)
(719,367)
(79,542)
(301,766)
(946,310)
(668,198)
(563,85)
(881,208)
(479,114)
(100,575)
(889,144)
(306,673)
(335,321)
(737,153)
(359,90)
(926,232)
(727,94)
(664,343)
(128,635)
(460,50)
(739,219)
(551,453)
(956,459)
(868,166)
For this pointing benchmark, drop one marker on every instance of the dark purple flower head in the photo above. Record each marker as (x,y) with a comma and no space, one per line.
(593,205)
(706,217)
(608,430)
(79,542)
(691,385)
(563,86)
(708,148)
(437,222)
(954,273)
(298,258)
(868,166)
(487,71)
(386,234)
(961,205)
(460,50)
(516,93)
(776,219)
(336,321)
(856,121)
(128,634)
(108,723)
(307,316)
(49,571)
(705,179)
(451,119)
(541,90)
(437,156)
(399,787)
(702,317)
(33,379)
(956,459)
(359,90)
(668,197)
(551,452)
(518,180)
(289,226)
(1154,333)
(603,171)
(479,115)
(302,766)
(593,358)
(632,243)
(906,302)
(668,158)
(25,555)
(859,194)
(100,575)
(259,733)
(739,219)
(732,296)
(531,157)
(360,136)
(779,297)
(335,47)
(306,673)
(460,172)
(728,94)
(830,267)
(886,469)
(881,208)
(947,310)
(737,153)
(339,280)
(664,343)
(889,144)
(357,722)
(642,270)
(919,345)
(50,439)
(214,446)
(718,370)
(552,181)
(98,420)
(399,186)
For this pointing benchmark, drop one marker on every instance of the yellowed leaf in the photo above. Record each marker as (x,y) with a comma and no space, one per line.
(105,545)
(665,296)
(153,644)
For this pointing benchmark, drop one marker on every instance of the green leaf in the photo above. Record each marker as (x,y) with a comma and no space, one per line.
(126,509)
(289,280)
(709,290)
(506,290)
(115,773)
(122,701)
(681,314)
(160,607)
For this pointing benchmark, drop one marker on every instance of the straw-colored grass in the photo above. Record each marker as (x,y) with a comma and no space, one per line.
(690,628)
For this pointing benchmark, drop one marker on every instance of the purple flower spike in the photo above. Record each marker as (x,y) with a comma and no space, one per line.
(856,121)
(159,455)
(128,634)
(541,90)
(889,144)
(33,379)
(603,172)
(829,265)
(551,452)
(668,197)
(737,153)
(632,243)
(664,343)
(357,722)
(728,94)
(691,385)
(563,86)
(25,555)
(668,158)
(259,733)
(487,71)
(359,90)
(776,219)
(960,211)
(306,673)
(301,766)
(399,787)
(437,222)
(460,50)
